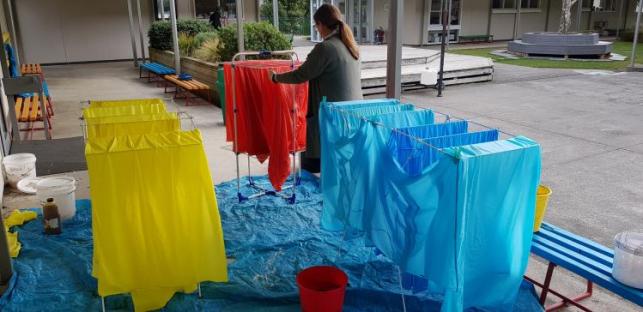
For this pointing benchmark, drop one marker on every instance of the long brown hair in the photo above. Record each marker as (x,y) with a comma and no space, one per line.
(330,16)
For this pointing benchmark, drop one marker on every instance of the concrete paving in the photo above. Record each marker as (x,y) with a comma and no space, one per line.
(589,125)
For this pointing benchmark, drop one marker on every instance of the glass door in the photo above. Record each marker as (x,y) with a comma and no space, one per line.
(361,20)
(435,21)
(315,4)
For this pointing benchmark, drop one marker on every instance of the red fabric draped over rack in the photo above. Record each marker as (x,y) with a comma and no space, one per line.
(264,114)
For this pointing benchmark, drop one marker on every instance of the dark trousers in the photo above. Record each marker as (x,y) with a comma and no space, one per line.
(312,165)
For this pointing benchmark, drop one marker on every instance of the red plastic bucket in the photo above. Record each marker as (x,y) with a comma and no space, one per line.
(321,289)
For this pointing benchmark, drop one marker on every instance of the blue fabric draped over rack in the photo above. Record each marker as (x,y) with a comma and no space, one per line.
(340,128)
(418,117)
(464,221)
(421,156)
(404,142)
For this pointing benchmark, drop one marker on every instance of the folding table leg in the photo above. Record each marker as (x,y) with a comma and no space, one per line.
(550,272)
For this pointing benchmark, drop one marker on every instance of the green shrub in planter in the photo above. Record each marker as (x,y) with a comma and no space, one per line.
(186,44)
(209,50)
(160,33)
(201,38)
(257,37)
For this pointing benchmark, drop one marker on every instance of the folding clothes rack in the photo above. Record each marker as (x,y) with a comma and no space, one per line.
(295,172)
(183,116)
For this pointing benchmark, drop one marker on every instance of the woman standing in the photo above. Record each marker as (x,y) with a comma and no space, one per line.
(332,69)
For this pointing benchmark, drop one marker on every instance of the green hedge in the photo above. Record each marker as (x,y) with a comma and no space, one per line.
(160,33)
(257,37)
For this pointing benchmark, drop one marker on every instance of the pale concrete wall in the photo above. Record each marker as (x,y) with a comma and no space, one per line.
(502,26)
(380,14)
(554,15)
(59,31)
(185,9)
(475,16)
(532,21)
(411,23)
(250,11)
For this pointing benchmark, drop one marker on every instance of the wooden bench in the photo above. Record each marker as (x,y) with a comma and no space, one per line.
(154,70)
(581,256)
(186,87)
(28,111)
(31,69)
(475,38)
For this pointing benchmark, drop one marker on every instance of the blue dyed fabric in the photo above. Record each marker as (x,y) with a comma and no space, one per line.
(425,155)
(416,117)
(406,144)
(14,67)
(464,222)
(341,122)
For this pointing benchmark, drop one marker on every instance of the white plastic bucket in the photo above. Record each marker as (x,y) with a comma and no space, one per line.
(63,190)
(628,259)
(18,167)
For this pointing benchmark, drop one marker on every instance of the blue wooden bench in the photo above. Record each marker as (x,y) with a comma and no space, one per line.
(581,256)
(154,69)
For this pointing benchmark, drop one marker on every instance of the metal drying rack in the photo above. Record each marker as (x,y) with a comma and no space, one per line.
(295,174)
(186,120)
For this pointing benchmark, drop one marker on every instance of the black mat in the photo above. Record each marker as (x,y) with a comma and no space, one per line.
(55,156)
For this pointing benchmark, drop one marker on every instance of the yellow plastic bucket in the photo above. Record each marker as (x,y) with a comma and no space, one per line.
(542,197)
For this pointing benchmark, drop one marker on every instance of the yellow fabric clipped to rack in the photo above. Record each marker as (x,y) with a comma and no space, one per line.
(132,109)
(128,102)
(155,219)
(131,125)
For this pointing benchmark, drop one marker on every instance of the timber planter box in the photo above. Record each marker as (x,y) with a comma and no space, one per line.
(202,71)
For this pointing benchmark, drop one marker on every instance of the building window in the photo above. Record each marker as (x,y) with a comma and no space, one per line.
(162,9)
(205,8)
(435,16)
(504,4)
(530,4)
(605,6)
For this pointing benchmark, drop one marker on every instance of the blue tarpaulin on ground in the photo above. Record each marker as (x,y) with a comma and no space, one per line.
(268,243)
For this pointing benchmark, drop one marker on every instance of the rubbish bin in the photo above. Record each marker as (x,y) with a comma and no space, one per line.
(542,198)
(221,89)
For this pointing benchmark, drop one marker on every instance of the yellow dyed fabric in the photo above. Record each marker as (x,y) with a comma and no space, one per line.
(133,109)
(16,217)
(131,125)
(128,102)
(155,220)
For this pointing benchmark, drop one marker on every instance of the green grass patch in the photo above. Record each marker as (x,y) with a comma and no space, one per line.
(620,47)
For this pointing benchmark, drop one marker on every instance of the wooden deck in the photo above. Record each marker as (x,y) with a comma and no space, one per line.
(459,69)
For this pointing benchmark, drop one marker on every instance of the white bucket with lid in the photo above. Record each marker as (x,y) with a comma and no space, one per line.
(18,167)
(628,259)
(63,190)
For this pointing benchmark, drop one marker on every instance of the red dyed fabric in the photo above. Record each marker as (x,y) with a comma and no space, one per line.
(264,118)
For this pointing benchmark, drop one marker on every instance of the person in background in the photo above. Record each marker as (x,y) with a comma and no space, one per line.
(332,69)
(215,18)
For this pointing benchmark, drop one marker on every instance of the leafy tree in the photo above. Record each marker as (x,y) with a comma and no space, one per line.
(257,37)
(294,15)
